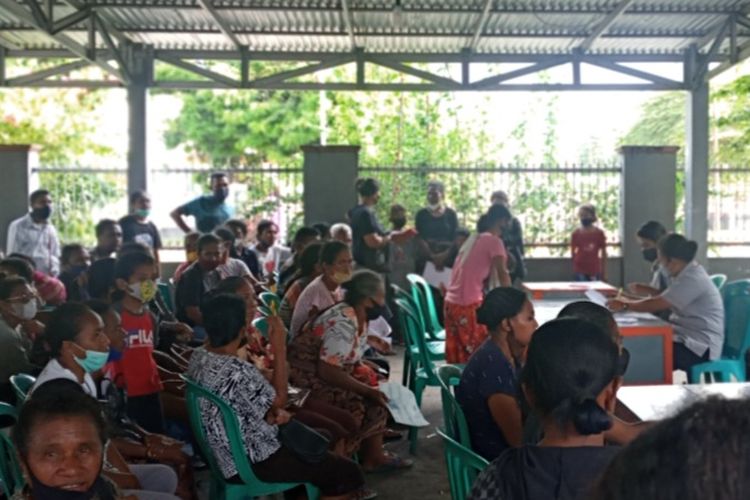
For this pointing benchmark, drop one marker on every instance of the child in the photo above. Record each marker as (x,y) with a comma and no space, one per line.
(589,248)
(190,243)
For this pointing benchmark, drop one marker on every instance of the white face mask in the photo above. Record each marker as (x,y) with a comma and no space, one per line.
(26,311)
(435,206)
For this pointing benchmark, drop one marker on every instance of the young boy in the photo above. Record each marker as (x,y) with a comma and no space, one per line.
(589,247)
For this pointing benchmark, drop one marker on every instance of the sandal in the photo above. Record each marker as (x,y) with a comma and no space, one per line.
(365,494)
(393,462)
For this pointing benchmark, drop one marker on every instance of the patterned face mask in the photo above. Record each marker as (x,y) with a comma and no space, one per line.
(144,290)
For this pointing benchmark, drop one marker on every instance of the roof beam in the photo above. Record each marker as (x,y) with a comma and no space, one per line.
(22,15)
(330,62)
(627,70)
(101,27)
(492,81)
(76,4)
(37,76)
(70,20)
(225,81)
(479,28)
(349,22)
(408,70)
(224,27)
(606,23)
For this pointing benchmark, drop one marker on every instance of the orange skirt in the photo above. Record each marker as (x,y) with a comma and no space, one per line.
(463,335)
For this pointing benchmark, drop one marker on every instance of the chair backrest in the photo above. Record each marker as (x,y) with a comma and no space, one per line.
(719,280)
(736,297)
(11,478)
(463,466)
(411,324)
(22,383)
(194,393)
(165,289)
(454,419)
(261,324)
(422,294)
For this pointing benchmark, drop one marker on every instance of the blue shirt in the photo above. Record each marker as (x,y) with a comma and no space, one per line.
(207,212)
(488,372)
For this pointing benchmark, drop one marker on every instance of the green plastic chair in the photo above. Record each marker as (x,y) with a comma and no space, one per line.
(736,296)
(21,383)
(463,466)
(422,293)
(11,478)
(454,420)
(261,324)
(424,374)
(719,280)
(166,293)
(269,302)
(250,486)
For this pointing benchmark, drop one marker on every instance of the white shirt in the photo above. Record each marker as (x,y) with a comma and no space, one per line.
(54,370)
(271,260)
(36,240)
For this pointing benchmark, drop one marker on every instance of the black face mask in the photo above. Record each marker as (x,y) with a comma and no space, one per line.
(43,492)
(587,221)
(41,213)
(374,312)
(221,194)
(649,254)
(399,223)
(623,361)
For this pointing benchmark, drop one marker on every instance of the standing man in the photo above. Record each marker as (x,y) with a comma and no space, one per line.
(108,240)
(436,225)
(270,255)
(137,228)
(513,239)
(34,236)
(210,211)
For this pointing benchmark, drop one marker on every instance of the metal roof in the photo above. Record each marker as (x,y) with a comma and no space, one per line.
(418,30)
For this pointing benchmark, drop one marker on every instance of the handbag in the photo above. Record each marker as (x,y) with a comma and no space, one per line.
(309,445)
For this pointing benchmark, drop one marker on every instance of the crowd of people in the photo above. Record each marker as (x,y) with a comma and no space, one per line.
(94,324)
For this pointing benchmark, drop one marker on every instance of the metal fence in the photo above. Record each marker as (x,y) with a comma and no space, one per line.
(729,211)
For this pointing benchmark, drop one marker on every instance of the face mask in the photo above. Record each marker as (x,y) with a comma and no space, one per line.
(93,361)
(42,213)
(623,361)
(434,207)
(587,221)
(649,254)
(144,291)
(26,311)
(399,222)
(340,277)
(143,212)
(114,355)
(221,194)
(374,312)
(44,492)
(192,256)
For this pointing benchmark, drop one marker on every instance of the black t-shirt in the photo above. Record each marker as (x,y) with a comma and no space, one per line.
(440,229)
(144,233)
(364,222)
(543,473)
(190,292)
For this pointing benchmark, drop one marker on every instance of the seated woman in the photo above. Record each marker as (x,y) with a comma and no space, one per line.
(61,438)
(18,304)
(326,357)
(488,390)
(258,405)
(572,386)
(703,452)
(309,269)
(697,310)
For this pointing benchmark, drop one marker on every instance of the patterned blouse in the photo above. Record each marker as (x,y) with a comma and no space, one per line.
(338,327)
(250,395)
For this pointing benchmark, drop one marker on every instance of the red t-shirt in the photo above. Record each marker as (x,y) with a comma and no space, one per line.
(137,368)
(587,246)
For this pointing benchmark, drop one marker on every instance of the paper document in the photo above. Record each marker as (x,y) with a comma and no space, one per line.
(438,279)
(596,297)
(403,405)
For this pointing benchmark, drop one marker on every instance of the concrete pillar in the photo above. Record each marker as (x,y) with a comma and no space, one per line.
(329,176)
(696,169)
(16,164)
(141,69)
(647,192)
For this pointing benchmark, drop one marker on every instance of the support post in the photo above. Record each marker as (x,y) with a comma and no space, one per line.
(696,157)
(137,90)
(17,162)
(329,176)
(647,192)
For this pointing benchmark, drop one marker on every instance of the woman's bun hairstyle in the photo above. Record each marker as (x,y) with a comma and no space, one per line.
(500,304)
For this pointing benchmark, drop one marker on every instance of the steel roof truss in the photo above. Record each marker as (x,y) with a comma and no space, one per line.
(36,76)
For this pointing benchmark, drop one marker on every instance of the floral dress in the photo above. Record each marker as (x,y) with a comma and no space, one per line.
(334,337)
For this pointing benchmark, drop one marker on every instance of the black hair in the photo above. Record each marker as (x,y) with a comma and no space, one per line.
(39,193)
(104,225)
(497,213)
(652,230)
(208,239)
(237,223)
(702,453)
(305,233)
(223,318)
(230,285)
(7,285)
(20,267)
(331,250)
(25,258)
(500,304)
(56,398)
(367,187)
(100,307)
(101,276)
(69,250)
(462,231)
(135,247)
(264,225)
(676,246)
(323,229)
(569,362)
(137,196)
(218,175)
(308,259)
(437,185)
(127,264)
(64,325)
(191,235)
(364,284)
(225,234)
(593,313)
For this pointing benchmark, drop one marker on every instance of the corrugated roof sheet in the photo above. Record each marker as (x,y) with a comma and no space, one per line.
(417,26)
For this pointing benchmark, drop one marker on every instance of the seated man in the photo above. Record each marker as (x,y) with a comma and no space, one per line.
(198,280)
